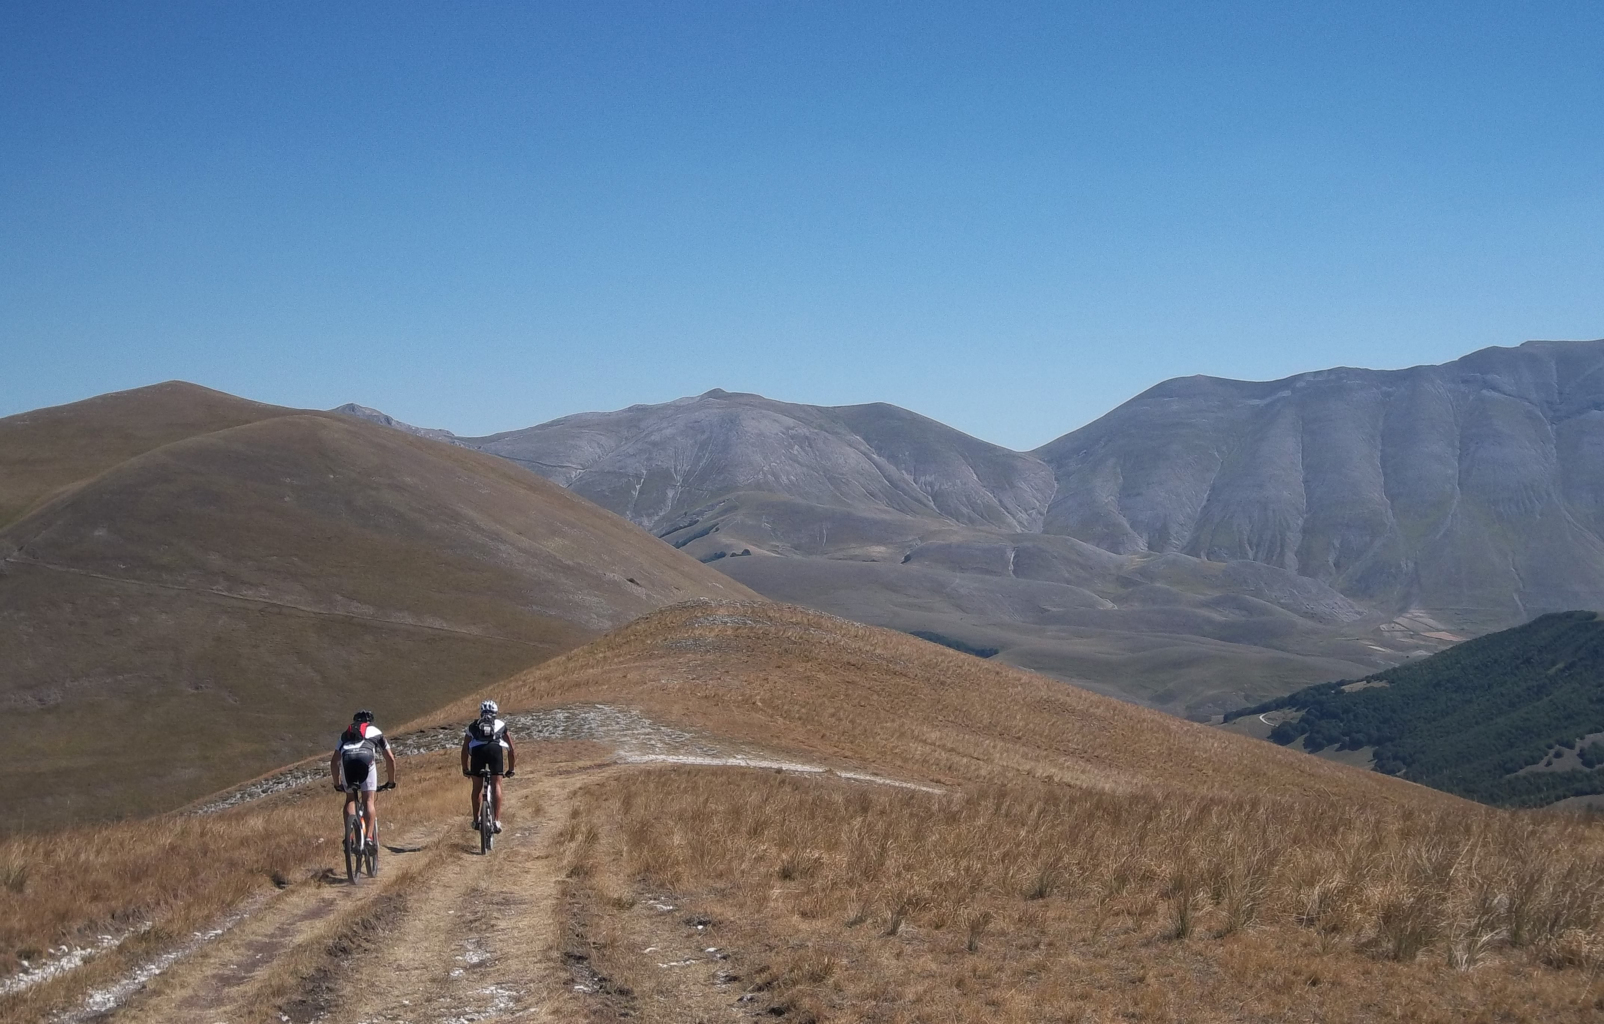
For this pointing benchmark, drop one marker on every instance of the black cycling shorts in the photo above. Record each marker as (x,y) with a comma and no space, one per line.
(492,754)
(360,767)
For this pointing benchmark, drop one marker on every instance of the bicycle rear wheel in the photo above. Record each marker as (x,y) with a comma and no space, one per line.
(353,847)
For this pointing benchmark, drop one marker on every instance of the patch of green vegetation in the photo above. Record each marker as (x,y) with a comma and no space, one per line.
(954,643)
(1468,719)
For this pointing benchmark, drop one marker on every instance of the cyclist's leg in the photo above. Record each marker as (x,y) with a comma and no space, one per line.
(495,796)
(370,813)
(347,799)
(474,803)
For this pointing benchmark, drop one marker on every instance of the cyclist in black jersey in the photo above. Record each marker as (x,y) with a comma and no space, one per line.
(355,759)
(485,743)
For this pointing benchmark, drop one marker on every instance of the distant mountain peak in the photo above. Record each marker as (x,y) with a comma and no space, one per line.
(372,415)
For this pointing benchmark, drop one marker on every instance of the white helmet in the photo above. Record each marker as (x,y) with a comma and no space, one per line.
(487,707)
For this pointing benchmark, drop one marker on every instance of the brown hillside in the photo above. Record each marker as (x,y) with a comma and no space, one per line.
(1068,858)
(45,450)
(812,684)
(213,603)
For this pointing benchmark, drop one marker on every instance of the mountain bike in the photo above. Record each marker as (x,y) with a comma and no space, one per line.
(360,854)
(486,810)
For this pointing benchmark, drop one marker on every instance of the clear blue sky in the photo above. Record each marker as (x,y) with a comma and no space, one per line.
(1009,217)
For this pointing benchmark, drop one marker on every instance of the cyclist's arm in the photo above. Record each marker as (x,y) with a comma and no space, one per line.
(512,752)
(464,755)
(334,766)
(389,764)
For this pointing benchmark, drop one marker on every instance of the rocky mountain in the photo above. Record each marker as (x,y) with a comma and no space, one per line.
(1207,542)
(179,566)
(658,463)
(891,518)
(1473,490)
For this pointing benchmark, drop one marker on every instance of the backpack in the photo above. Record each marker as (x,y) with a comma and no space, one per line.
(356,736)
(486,730)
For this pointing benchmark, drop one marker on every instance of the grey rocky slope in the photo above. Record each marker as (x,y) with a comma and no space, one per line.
(656,463)
(1206,541)
(897,520)
(1473,490)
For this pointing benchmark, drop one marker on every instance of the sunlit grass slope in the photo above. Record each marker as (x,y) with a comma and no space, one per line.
(1072,859)
(1086,860)
(807,682)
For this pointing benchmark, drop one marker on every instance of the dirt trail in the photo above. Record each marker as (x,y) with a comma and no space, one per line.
(444,935)
(476,941)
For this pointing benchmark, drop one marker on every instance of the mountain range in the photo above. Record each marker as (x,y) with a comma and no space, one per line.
(1205,544)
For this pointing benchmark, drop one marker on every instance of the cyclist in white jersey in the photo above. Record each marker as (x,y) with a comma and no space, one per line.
(485,743)
(355,759)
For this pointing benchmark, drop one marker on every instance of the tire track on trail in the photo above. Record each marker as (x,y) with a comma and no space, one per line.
(478,941)
(225,979)
(452,938)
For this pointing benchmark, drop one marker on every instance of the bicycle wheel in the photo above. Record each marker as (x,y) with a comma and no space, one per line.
(487,821)
(373,859)
(353,847)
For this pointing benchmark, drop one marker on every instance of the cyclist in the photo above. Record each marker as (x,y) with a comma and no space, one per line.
(355,760)
(485,742)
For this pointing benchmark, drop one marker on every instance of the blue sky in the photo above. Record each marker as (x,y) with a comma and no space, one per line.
(1008,217)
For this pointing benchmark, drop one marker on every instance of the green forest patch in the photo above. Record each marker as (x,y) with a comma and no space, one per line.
(1470,719)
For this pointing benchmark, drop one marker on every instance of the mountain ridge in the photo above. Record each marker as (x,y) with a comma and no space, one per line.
(1388,511)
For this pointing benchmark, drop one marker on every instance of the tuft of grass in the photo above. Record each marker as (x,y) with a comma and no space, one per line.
(975,923)
(14,872)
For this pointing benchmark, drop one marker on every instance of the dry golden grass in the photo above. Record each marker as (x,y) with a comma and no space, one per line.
(1088,860)
(1038,901)
(1091,860)
(789,679)
(160,880)
(70,885)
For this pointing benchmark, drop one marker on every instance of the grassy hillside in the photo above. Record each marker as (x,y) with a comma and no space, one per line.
(223,582)
(818,686)
(1491,719)
(1070,857)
